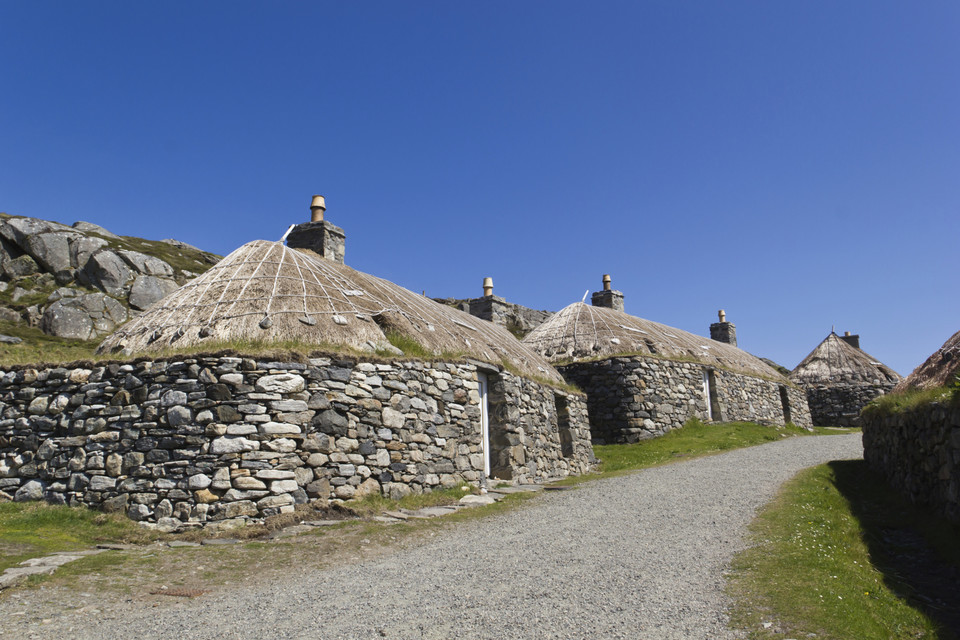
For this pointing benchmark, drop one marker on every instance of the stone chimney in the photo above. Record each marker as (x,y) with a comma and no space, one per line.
(853,341)
(608,297)
(318,235)
(724,331)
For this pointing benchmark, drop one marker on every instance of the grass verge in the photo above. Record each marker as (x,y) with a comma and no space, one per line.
(695,439)
(31,529)
(840,555)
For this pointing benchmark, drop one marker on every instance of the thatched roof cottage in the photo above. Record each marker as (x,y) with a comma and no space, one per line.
(643,378)
(401,395)
(940,369)
(840,379)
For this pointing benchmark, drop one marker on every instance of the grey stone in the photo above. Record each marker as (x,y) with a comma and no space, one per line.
(148,265)
(178,416)
(275,474)
(229,444)
(149,289)
(89,227)
(51,250)
(83,317)
(108,272)
(9,315)
(392,418)
(102,483)
(199,481)
(20,267)
(138,512)
(32,490)
(17,230)
(280,383)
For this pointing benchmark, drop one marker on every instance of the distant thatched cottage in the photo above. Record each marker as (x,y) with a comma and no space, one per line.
(643,378)
(840,379)
(413,396)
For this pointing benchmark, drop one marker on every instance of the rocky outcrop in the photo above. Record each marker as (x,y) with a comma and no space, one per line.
(103,278)
(83,317)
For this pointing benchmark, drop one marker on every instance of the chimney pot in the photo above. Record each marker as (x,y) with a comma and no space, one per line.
(606,282)
(317,206)
(723,331)
(487,287)
(852,340)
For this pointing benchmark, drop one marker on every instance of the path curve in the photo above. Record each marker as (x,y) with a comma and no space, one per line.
(638,556)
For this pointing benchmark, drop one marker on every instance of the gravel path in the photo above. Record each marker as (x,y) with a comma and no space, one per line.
(639,556)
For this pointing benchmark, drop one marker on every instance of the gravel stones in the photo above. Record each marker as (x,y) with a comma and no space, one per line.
(637,556)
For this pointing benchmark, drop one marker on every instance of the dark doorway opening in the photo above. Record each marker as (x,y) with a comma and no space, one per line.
(785,401)
(563,425)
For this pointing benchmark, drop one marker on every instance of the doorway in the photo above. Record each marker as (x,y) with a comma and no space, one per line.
(785,401)
(710,395)
(484,421)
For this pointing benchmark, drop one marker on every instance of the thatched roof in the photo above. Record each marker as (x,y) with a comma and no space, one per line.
(836,361)
(580,331)
(937,370)
(266,291)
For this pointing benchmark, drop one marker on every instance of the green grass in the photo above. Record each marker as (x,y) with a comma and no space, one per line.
(824,562)
(408,345)
(31,529)
(694,439)
(912,398)
(37,347)
(375,504)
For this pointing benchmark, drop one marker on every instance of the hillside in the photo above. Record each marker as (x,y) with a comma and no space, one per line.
(63,288)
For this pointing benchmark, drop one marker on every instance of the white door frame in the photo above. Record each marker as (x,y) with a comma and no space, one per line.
(706,394)
(484,422)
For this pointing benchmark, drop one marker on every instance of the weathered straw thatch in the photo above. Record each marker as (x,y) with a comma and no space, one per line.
(836,361)
(266,291)
(937,370)
(580,331)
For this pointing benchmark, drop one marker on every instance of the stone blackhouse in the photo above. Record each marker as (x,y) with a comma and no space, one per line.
(840,379)
(198,438)
(643,379)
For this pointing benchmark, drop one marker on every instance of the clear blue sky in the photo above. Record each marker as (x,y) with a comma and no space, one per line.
(796,163)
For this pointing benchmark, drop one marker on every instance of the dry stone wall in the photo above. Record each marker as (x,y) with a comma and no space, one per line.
(635,398)
(752,399)
(215,438)
(839,404)
(918,451)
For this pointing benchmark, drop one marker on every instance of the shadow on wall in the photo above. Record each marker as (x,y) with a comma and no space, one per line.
(910,567)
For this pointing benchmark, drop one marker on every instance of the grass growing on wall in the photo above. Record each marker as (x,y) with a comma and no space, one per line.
(834,555)
(911,398)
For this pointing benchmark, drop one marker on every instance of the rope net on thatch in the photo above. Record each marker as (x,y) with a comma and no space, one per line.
(836,361)
(937,370)
(266,291)
(580,331)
